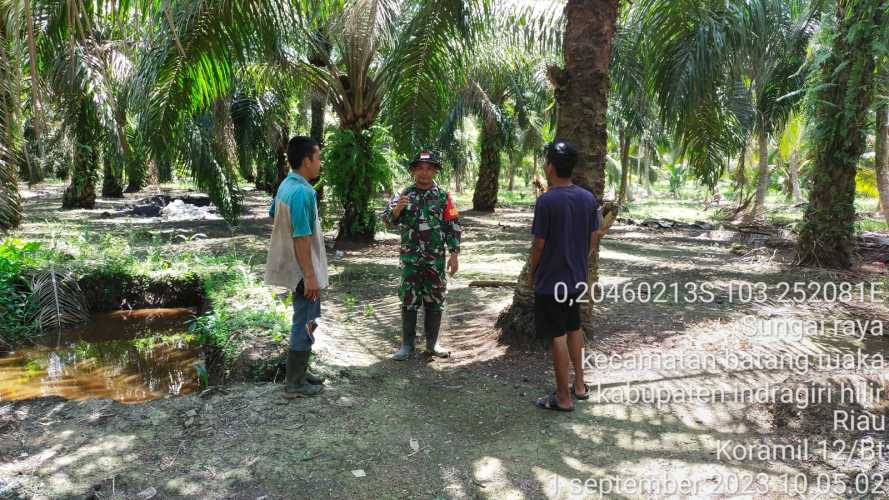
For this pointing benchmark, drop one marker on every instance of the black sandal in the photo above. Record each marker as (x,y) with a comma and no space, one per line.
(551,403)
(586,392)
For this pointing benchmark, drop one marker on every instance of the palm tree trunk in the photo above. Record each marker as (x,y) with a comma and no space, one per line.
(281,157)
(10,201)
(316,130)
(827,235)
(647,161)
(112,183)
(358,223)
(511,186)
(136,175)
(762,185)
(81,193)
(35,175)
(741,174)
(485,197)
(793,168)
(10,106)
(624,144)
(881,160)
(319,106)
(582,101)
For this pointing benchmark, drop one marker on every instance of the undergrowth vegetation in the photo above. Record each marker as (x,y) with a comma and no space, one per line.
(237,308)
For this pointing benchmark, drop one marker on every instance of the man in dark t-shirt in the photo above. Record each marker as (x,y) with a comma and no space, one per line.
(565,234)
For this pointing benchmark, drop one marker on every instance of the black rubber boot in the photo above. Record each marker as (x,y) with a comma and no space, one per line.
(314,379)
(295,379)
(431,327)
(408,334)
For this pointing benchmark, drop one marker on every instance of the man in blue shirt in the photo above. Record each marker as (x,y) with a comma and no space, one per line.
(565,234)
(297,260)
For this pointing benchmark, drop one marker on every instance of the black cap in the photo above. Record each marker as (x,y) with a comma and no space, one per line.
(560,147)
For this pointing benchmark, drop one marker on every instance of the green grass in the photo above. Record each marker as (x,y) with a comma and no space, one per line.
(689,207)
(241,306)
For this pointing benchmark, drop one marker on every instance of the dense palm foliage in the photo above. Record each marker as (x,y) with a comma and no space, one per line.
(367,58)
(10,132)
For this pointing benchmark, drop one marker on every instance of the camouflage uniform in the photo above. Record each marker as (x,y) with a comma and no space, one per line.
(428,223)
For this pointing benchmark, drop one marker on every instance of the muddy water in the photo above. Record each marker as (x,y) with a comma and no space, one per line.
(129,356)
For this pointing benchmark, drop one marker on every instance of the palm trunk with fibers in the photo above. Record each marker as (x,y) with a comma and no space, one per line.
(511,186)
(624,144)
(10,201)
(762,184)
(282,168)
(827,235)
(485,197)
(741,174)
(35,174)
(10,106)
(881,160)
(136,175)
(581,89)
(319,106)
(163,172)
(81,192)
(112,180)
(355,187)
(646,161)
(793,168)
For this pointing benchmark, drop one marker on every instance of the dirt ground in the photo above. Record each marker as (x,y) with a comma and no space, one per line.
(466,427)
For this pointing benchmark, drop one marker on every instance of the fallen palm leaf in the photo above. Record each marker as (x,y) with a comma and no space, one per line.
(57,299)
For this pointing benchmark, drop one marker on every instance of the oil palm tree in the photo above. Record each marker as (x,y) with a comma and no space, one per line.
(502,89)
(842,96)
(581,91)
(724,71)
(83,55)
(881,142)
(10,115)
(504,86)
(790,150)
(631,110)
(392,55)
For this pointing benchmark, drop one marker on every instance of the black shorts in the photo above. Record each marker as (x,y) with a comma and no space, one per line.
(553,319)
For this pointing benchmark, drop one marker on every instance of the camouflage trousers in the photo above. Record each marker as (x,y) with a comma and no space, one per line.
(422,285)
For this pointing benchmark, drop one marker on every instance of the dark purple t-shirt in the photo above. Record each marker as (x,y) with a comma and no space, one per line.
(564,217)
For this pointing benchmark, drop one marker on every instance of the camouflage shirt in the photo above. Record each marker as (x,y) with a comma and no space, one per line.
(428,223)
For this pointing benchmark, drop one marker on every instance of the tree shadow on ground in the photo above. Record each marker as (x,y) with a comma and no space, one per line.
(471,418)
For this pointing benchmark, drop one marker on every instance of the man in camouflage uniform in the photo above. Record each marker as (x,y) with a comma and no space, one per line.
(428,222)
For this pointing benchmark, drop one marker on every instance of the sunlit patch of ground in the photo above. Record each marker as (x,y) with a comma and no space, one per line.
(463,427)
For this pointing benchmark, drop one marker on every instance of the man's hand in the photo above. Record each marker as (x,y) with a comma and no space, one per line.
(312,290)
(453,264)
(402,201)
(302,248)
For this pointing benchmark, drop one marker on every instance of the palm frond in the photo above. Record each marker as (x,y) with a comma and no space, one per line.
(10,118)
(57,300)
(721,70)
(211,166)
